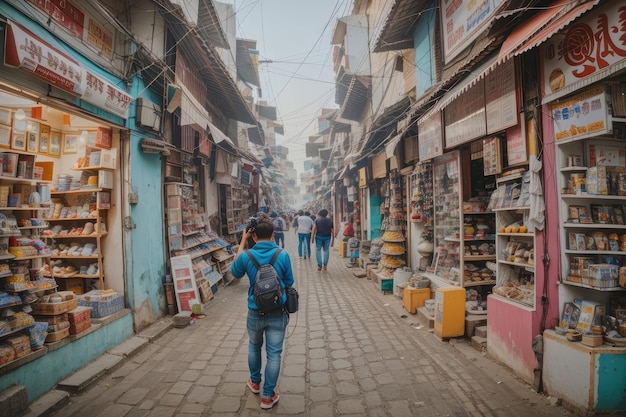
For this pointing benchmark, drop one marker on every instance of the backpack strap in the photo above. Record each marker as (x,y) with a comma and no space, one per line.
(278,251)
(254,261)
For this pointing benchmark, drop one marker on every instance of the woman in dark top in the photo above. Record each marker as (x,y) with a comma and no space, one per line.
(324,237)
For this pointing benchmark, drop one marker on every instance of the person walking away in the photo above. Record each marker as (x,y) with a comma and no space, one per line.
(272,325)
(324,237)
(294,224)
(279,227)
(305,226)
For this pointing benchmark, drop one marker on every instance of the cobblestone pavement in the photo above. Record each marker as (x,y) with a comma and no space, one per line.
(350,351)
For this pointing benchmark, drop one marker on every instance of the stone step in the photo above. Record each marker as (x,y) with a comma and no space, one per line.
(426,317)
(481,331)
(479,343)
(48,403)
(472,321)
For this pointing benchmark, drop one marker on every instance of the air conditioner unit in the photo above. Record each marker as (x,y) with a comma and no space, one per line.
(148,114)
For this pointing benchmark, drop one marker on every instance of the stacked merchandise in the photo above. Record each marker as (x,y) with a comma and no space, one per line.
(53,309)
(79,319)
(103,302)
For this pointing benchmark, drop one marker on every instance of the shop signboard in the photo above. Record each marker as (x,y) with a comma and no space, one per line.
(463,21)
(589,49)
(26,51)
(430,136)
(582,115)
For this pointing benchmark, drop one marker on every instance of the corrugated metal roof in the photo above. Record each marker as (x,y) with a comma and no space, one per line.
(209,25)
(357,98)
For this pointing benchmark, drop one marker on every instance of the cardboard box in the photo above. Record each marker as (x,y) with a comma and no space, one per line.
(71,284)
(604,271)
(48,170)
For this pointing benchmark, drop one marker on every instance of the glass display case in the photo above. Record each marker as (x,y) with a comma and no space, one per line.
(447,216)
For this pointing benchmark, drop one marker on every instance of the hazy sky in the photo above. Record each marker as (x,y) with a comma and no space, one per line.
(295,35)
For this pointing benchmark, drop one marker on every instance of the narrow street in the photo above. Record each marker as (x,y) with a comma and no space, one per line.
(351,351)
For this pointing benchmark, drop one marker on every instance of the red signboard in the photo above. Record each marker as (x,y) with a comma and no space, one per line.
(64,13)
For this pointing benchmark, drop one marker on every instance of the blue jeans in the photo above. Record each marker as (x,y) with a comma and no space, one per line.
(273,327)
(322,243)
(279,239)
(304,244)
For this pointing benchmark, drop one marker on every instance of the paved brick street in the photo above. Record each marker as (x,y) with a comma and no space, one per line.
(350,351)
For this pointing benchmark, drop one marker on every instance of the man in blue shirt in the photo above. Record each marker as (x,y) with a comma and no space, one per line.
(271,325)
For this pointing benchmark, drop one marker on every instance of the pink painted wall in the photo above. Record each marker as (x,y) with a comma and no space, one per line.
(510,333)
(512,328)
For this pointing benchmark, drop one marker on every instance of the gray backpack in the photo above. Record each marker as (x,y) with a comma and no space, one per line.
(267,289)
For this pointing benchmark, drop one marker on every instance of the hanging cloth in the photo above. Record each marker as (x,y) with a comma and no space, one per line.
(536,219)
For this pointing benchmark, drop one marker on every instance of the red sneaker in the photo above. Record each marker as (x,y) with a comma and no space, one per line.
(255,387)
(267,403)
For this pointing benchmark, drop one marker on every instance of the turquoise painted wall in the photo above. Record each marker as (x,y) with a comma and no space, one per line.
(145,243)
(42,374)
(375,217)
(611,377)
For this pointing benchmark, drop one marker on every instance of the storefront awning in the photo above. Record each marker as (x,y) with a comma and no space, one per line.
(219,136)
(398,30)
(542,26)
(467,82)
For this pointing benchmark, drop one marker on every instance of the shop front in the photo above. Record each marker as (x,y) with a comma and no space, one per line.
(585,350)
(479,151)
(62,131)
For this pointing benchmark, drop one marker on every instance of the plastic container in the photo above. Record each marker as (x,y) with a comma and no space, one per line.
(400,276)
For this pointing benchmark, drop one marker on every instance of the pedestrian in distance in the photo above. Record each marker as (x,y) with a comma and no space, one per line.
(305,227)
(324,237)
(270,326)
(279,229)
(294,224)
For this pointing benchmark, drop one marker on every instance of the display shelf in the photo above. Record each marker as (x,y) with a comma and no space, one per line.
(479,283)
(515,269)
(91,207)
(79,191)
(592,219)
(16,330)
(479,257)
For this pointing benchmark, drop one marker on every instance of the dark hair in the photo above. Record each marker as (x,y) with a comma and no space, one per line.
(306,213)
(264,227)
(323,212)
(300,212)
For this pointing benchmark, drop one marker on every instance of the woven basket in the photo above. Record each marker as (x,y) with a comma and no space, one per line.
(52,309)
